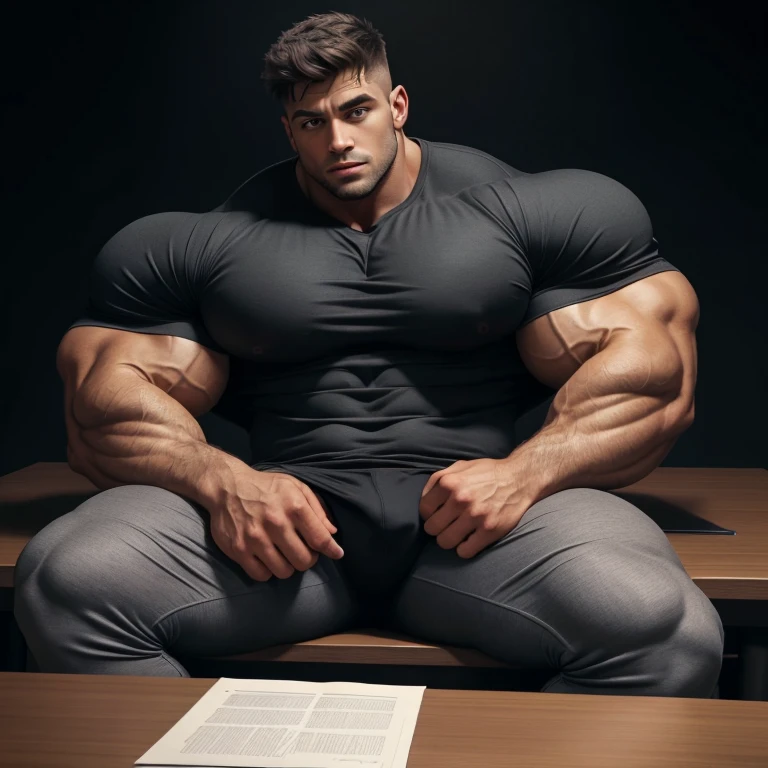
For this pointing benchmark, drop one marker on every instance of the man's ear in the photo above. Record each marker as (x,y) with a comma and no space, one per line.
(288,132)
(398,101)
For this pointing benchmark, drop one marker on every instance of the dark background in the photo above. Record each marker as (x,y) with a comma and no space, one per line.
(115,112)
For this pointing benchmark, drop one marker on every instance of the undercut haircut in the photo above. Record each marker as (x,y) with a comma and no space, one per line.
(321,47)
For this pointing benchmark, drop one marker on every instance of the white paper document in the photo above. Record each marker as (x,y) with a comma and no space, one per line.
(293,724)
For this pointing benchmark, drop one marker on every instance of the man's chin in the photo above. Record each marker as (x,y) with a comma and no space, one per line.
(348,193)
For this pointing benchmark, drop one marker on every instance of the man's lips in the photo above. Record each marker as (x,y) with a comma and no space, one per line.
(345,167)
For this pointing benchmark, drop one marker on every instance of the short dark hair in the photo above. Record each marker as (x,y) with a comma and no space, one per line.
(320,47)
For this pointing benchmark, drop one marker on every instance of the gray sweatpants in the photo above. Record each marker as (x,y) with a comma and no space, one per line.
(585,584)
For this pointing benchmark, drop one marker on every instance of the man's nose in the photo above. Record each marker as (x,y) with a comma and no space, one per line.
(341,141)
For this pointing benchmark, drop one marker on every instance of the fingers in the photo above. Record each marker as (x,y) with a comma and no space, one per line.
(456,532)
(436,492)
(254,567)
(315,502)
(279,535)
(312,530)
(477,542)
(318,507)
(241,555)
(278,550)
(280,567)
(268,554)
(441,519)
(283,552)
(316,534)
(297,555)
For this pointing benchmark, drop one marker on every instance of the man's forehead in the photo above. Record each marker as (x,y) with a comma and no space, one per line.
(342,87)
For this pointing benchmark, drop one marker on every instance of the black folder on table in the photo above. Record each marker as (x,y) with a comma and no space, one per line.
(671,518)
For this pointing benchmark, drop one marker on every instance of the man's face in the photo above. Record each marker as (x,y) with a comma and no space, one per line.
(344,121)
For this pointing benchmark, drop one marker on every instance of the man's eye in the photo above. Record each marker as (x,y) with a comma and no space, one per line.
(359,109)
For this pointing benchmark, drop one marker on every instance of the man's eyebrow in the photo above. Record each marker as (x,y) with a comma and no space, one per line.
(354,102)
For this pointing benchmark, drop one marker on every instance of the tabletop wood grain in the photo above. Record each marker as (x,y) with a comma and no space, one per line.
(104,721)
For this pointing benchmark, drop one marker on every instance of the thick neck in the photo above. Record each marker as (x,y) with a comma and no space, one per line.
(361,215)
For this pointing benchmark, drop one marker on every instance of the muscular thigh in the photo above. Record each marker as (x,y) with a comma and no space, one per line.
(144,557)
(576,561)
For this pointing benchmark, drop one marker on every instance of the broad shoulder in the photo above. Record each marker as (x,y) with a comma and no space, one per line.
(453,167)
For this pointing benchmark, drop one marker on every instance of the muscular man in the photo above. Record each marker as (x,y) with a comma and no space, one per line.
(377,329)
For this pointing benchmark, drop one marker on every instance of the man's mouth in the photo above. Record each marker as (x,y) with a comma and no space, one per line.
(346,168)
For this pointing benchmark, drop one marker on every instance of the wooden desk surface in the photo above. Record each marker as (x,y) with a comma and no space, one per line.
(105,721)
(726,567)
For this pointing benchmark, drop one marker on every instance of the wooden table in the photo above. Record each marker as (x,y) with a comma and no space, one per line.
(105,721)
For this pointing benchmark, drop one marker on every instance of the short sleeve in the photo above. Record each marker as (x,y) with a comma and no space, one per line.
(147,278)
(588,235)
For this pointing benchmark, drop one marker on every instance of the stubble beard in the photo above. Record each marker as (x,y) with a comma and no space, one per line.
(352,191)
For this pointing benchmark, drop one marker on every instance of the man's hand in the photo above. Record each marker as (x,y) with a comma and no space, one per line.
(483,499)
(271,523)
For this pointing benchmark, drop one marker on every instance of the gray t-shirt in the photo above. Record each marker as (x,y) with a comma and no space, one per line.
(393,347)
